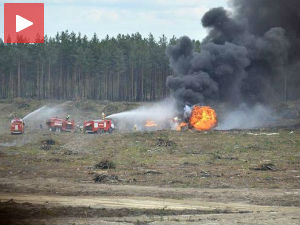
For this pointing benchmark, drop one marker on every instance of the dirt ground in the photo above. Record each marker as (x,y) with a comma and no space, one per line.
(160,177)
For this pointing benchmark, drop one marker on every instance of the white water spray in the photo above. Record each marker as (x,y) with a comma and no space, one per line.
(161,113)
(29,115)
(39,116)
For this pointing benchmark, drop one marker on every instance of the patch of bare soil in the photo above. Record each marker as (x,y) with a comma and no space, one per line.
(30,209)
(12,212)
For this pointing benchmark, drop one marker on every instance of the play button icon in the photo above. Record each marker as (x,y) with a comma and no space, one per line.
(22,23)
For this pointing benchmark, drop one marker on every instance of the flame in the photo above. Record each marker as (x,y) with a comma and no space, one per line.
(181,126)
(203,118)
(150,123)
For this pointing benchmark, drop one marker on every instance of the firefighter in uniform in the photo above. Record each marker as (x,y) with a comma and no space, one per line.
(67,117)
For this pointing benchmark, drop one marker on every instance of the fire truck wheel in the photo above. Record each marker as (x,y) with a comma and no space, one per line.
(110,130)
(100,131)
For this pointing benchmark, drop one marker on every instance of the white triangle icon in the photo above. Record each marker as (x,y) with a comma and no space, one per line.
(22,23)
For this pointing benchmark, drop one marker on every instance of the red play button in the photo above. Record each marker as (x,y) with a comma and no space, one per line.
(23,22)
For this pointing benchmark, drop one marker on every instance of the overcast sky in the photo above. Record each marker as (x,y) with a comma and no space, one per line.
(169,17)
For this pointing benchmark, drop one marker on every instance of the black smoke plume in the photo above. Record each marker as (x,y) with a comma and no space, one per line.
(250,55)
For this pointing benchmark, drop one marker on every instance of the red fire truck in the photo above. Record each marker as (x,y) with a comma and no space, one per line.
(17,126)
(57,124)
(98,126)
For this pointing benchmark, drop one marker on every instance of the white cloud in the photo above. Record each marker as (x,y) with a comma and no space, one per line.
(100,15)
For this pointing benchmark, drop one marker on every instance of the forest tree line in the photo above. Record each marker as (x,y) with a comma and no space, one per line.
(71,66)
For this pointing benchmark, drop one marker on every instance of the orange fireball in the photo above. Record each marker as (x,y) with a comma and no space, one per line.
(203,118)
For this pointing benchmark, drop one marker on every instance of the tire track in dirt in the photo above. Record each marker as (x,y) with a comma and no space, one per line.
(140,203)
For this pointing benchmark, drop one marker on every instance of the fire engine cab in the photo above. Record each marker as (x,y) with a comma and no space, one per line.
(58,125)
(98,126)
(17,126)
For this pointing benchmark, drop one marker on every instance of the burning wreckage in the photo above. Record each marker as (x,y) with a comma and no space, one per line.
(200,118)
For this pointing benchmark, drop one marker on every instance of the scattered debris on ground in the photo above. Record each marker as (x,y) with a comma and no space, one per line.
(105,164)
(152,172)
(46,144)
(265,167)
(204,174)
(56,160)
(106,178)
(45,147)
(190,164)
(165,143)
(69,152)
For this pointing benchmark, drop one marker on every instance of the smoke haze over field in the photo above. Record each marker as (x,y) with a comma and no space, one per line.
(245,117)
(249,56)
